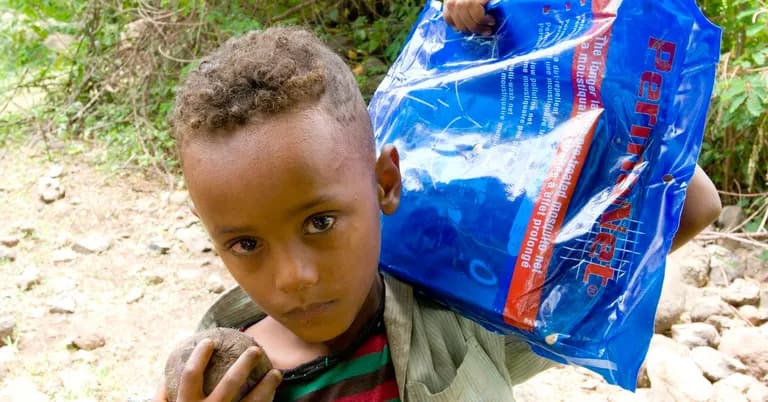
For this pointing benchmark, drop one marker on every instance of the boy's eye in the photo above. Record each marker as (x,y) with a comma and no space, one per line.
(244,246)
(319,224)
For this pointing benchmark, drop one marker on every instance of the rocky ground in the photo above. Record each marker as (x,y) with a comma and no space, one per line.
(101,273)
(711,341)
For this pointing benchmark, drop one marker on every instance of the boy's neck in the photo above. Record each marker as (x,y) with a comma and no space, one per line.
(288,351)
(371,307)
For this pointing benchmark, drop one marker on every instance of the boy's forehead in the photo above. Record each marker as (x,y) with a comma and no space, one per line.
(306,146)
(286,130)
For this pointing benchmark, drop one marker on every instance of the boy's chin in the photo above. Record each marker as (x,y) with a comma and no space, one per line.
(318,334)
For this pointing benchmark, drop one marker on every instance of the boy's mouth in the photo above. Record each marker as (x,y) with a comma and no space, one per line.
(309,311)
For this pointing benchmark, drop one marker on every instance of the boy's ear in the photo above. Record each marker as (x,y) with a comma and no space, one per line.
(388,179)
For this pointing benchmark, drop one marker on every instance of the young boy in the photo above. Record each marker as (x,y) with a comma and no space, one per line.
(278,156)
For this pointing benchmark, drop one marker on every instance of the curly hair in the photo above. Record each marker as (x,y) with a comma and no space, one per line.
(263,74)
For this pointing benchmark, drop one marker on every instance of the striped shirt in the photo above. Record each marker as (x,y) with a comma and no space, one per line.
(364,374)
(438,356)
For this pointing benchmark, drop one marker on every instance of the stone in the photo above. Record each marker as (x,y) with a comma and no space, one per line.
(29,278)
(7,329)
(159,245)
(62,305)
(54,171)
(674,373)
(84,356)
(153,278)
(725,323)
(695,334)
(88,341)
(194,239)
(62,285)
(7,254)
(26,228)
(215,284)
(673,298)
(571,383)
(730,217)
(642,377)
(50,190)
(739,387)
(62,255)
(7,360)
(189,274)
(750,346)
(692,261)
(63,239)
(708,306)
(725,392)
(753,315)
(77,379)
(757,392)
(10,240)
(134,295)
(21,390)
(764,297)
(724,265)
(714,364)
(742,292)
(178,197)
(93,243)
(756,267)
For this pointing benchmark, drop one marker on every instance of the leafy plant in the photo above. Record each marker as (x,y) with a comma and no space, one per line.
(735,152)
(113,78)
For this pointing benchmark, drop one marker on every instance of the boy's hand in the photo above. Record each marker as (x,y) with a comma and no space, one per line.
(191,383)
(468,16)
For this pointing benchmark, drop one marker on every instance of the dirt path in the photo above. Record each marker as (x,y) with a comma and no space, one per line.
(98,252)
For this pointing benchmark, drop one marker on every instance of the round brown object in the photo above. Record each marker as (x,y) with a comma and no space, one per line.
(228,345)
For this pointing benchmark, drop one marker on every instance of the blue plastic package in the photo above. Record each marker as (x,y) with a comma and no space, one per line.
(544,167)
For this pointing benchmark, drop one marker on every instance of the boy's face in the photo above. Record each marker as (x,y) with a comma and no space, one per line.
(293,207)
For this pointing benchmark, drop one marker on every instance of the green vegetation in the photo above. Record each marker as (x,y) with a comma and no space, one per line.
(112,74)
(735,152)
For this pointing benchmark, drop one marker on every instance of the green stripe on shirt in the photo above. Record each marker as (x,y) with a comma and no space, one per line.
(341,372)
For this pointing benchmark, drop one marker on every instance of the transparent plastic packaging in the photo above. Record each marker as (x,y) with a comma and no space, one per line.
(545,167)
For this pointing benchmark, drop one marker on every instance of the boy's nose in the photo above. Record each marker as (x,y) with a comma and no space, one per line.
(294,272)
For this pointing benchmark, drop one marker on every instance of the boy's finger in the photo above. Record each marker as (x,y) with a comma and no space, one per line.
(237,375)
(452,13)
(449,20)
(464,21)
(481,23)
(265,391)
(454,21)
(476,14)
(191,382)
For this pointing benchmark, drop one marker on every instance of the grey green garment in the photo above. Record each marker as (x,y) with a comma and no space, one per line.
(438,355)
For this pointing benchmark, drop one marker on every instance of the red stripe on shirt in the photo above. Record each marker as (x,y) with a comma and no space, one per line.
(384,391)
(374,344)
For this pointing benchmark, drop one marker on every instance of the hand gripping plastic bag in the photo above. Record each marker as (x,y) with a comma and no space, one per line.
(544,167)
